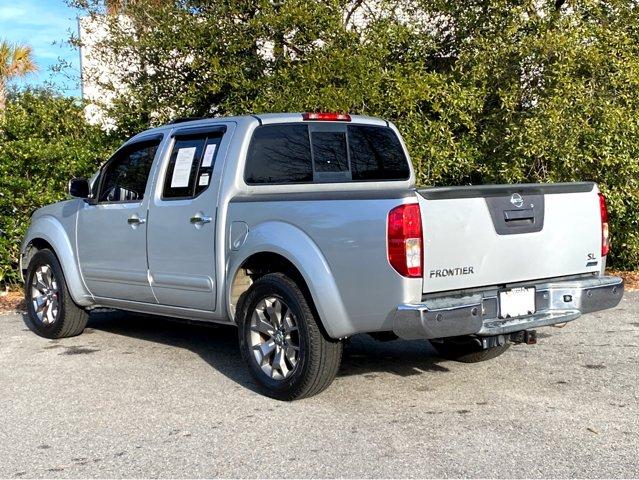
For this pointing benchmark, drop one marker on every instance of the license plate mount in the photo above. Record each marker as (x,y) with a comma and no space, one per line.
(517,302)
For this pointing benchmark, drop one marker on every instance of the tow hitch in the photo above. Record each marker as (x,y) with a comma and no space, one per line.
(529,337)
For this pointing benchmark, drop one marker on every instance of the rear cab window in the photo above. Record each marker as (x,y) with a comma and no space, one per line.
(376,154)
(279,154)
(324,152)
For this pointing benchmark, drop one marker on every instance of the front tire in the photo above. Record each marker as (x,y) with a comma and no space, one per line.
(281,340)
(51,312)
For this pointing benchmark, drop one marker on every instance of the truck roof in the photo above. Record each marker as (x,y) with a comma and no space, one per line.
(263,118)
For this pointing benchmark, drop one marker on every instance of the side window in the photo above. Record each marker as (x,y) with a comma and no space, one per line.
(279,154)
(124,177)
(376,154)
(190,166)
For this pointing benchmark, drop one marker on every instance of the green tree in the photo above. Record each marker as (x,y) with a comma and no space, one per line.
(15,61)
(483,90)
(44,142)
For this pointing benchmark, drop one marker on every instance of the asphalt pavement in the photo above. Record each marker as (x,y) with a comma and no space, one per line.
(149,397)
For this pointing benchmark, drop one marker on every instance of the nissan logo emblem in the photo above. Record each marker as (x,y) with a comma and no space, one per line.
(516,200)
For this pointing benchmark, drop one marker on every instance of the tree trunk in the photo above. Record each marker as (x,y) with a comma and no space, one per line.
(3,98)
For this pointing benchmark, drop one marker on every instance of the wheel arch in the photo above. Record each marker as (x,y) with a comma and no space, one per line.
(30,250)
(281,247)
(256,266)
(47,232)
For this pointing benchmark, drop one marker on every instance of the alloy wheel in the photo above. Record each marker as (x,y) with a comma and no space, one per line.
(274,338)
(45,296)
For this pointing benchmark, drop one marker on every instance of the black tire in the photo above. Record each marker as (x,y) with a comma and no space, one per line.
(467,350)
(319,356)
(70,319)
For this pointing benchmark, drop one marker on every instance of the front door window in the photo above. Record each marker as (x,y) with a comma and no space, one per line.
(125,176)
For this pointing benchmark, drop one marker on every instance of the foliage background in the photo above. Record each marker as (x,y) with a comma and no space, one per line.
(44,141)
(484,91)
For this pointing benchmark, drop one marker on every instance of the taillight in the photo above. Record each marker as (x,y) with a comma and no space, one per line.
(605,240)
(327,116)
(405,240)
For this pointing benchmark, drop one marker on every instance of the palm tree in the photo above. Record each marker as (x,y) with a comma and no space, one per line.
(15,61)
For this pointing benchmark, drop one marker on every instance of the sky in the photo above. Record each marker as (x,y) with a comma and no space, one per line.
(45,25)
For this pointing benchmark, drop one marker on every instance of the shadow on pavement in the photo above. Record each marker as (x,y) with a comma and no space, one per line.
(364,355)
(218,346)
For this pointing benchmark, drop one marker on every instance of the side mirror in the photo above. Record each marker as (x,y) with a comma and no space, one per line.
(79,188)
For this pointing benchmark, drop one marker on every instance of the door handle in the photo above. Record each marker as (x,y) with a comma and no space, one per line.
(135,220)
(199,218)
(519,215)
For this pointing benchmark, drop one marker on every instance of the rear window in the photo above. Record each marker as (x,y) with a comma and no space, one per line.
(376,154)
(303,153)
(279,154)
(329,151)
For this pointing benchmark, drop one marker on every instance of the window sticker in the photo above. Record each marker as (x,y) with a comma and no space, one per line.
(182,169)
(208,155)
(204,180)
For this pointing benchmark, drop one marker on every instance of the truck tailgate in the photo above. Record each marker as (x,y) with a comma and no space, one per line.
(497,234)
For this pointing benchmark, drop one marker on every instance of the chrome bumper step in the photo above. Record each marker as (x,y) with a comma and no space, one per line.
(477,313)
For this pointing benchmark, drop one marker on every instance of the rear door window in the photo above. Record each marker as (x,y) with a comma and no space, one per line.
(190,166)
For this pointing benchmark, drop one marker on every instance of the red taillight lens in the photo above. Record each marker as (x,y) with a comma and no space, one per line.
(605,240)
(405,252)
(327,117)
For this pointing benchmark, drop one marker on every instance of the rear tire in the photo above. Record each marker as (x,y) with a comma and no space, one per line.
(282,342)
(466,350)
(51,312)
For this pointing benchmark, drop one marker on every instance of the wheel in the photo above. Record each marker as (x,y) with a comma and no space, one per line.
(286,351)
(467,350)
(51,312)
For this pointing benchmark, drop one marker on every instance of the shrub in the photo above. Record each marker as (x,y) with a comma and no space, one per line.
(44,141)
(483,91)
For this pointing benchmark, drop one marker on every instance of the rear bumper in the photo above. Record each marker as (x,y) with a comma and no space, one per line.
(478,313)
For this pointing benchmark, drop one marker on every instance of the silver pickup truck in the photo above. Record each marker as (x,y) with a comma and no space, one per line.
(305,229)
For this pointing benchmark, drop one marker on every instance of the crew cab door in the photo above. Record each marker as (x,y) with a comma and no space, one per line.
(182,218)
(111,232)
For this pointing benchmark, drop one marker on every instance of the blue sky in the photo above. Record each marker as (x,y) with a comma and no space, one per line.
(45,25)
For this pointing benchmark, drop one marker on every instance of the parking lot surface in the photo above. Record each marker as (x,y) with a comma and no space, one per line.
(148,397)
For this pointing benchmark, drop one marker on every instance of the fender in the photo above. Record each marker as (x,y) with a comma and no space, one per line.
(296,246)
(51,230)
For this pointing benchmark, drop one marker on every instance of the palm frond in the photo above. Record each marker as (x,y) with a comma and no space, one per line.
(15,61)
(22,61)
(5,57)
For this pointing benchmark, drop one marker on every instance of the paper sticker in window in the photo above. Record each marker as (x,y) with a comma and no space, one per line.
(182,169)
(208,155)
(204,180)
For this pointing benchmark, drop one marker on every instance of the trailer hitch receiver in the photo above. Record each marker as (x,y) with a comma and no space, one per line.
(529,337)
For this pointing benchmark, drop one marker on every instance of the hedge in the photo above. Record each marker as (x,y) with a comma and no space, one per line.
(44,141)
